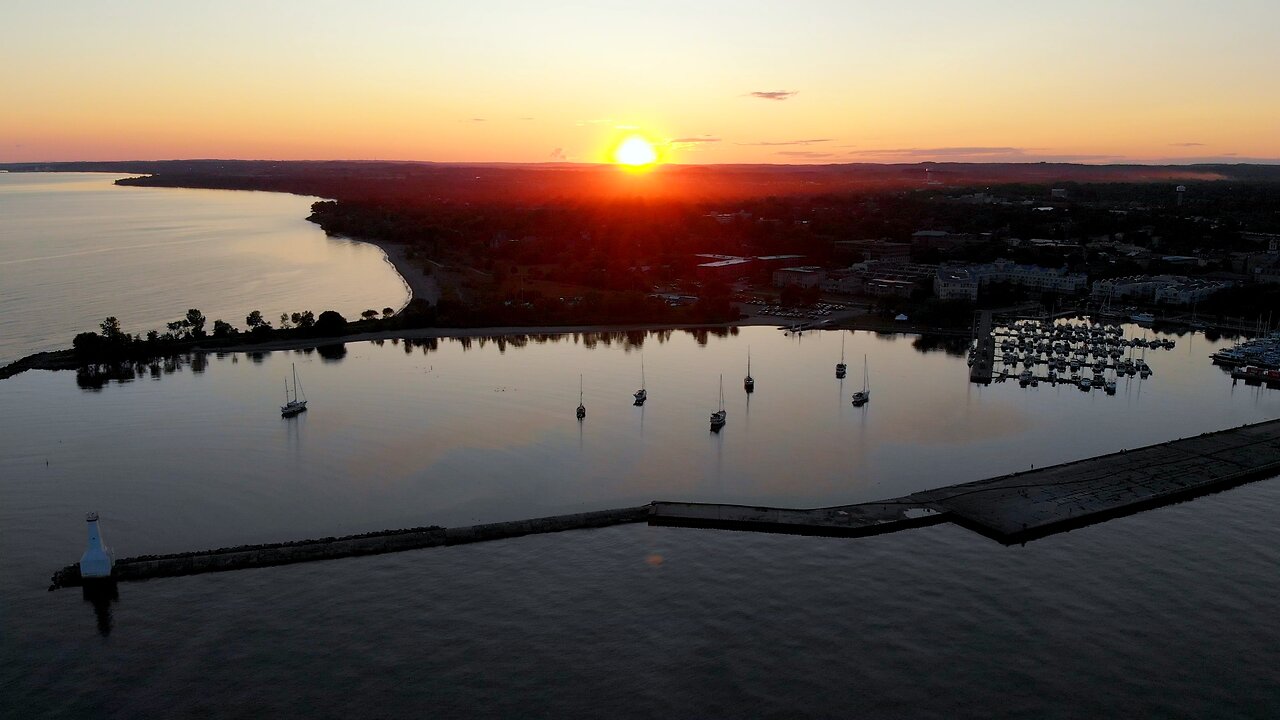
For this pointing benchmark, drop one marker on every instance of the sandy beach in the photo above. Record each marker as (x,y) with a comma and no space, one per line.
(419,283)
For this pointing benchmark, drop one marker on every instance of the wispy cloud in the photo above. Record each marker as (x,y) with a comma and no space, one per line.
(691,140)
(478,120)
(804,154)
(1188,144)
(558,155)
(774,94)
(974,154)
(769,143)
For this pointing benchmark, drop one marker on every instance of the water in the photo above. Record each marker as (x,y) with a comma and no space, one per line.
(74,248)
(1165,613)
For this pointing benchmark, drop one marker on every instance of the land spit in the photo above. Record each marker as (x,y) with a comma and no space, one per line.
(1010,509)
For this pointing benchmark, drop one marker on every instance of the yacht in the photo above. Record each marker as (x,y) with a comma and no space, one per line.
(719,416)
(863,396)
(582,409)
(840,366)
(296,404)
(641,395)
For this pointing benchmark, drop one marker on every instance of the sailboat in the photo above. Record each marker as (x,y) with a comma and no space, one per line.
(863,396)
(295,404)
(582,409)
(641,395)
(840,366)
(718,417)
(749,383)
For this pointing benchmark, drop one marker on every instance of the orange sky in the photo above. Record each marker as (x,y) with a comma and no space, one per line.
(723,82)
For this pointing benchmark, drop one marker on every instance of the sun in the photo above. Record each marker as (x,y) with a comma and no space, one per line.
(635,152)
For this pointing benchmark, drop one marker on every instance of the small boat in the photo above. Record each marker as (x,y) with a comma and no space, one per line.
(719,416)
(296,404)
(1085,383)
(1142,317)
(641,395)
(1110,387)
(841,368)
(582,409)
(863,396)
(749,383)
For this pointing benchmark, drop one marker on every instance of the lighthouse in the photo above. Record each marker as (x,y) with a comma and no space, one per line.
(96,561)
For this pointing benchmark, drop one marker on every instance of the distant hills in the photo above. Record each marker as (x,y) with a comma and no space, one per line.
(417,181)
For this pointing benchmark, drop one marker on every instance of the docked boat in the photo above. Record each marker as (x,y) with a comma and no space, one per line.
(1143,317)
(1110,387)
(719,416)
(296,403)
(863,396)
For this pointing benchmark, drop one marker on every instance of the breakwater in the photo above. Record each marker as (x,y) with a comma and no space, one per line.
(243,557)
(1027,505)
(1010,508)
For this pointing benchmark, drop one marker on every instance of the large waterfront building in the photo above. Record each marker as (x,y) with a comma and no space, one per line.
(1032,277)
(955,283)
(1160,289)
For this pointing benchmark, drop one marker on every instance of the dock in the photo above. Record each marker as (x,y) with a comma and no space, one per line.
(984,358)
(1010,509)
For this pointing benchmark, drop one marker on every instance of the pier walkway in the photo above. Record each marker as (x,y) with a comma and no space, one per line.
(1010,508)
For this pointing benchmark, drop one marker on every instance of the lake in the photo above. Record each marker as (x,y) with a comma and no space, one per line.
(75,248)
(1167,613)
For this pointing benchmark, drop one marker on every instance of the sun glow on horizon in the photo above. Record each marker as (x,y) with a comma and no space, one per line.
(635,153)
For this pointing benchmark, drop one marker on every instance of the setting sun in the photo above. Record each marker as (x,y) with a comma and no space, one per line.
(635,152)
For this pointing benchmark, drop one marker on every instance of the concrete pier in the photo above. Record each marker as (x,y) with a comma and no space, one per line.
(1024,506)
(1010,509)
(252,556)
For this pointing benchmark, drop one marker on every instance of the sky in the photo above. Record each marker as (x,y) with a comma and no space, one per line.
(822,81)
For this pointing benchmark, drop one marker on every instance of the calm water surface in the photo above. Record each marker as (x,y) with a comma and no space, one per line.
(1167,613)
(74,248)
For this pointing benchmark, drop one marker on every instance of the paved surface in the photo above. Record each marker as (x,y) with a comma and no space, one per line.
(1034,503)
(1027,505)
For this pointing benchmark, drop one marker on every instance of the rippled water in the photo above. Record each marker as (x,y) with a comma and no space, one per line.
(1165,613)
(74,248)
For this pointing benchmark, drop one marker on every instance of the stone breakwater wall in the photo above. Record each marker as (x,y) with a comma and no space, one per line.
(145,567)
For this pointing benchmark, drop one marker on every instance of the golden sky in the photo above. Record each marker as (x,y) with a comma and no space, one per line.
(709,82)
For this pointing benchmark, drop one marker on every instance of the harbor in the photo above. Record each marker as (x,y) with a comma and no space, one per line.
(1010,509)
(1089,355)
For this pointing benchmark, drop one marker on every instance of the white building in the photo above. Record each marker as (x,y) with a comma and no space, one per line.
(1033,277)
(955,284)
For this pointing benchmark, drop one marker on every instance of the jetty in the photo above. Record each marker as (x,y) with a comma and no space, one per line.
(1027,505)
(1010,509)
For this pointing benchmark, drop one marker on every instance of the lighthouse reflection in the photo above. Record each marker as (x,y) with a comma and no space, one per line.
(101,595)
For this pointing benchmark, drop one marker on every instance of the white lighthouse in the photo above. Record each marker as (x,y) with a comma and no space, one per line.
(96,560)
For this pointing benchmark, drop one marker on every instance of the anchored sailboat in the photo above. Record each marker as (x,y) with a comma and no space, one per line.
(718,417)
(840,366)
(582,409)
(641,395)
(863,396)
(749,383)
(298,402)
